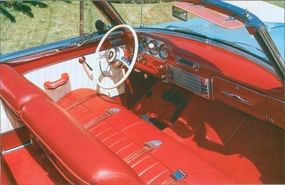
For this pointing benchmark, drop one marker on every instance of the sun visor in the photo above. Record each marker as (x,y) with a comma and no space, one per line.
(210,15)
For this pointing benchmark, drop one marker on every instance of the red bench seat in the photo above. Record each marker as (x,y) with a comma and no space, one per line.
(111,151)
(125,133)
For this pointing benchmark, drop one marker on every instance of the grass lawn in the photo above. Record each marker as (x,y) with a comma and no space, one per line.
(152,13)
(61,20)
(57,22)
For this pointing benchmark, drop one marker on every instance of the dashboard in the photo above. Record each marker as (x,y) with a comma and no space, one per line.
(156,54)
(213,73)
(154,47)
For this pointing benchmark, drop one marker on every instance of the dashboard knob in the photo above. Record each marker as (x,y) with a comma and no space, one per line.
(151,45)
(196,67)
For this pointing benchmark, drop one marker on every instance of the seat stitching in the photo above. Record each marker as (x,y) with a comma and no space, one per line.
(103,131)
(89,116)
(168,181)
(113,144)
(116,133)
(125,147)
(132,125)
(138,162)
(133,156)
(148,168)
(80,101)
(80,112)
(157,176)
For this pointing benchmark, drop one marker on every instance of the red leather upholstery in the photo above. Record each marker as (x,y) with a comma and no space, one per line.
(84,159)
(109,152)
(124,133)
(15,89)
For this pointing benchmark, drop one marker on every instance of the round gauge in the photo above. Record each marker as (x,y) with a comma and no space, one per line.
(163,51)
(143,43)
(152,47)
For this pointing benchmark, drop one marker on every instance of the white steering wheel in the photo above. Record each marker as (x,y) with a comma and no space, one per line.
(117,55)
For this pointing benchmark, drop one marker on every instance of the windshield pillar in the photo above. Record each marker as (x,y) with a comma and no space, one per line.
(255,27)
(266,43)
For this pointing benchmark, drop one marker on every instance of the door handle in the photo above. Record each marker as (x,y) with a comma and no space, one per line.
(236,97)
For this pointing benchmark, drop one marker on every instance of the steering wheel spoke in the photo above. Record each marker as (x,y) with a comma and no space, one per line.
(102,55)
(109,70)
(124,62)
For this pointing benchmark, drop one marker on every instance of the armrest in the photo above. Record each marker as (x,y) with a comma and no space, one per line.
(55,84)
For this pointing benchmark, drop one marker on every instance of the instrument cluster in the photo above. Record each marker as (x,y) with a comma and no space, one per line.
(153,47)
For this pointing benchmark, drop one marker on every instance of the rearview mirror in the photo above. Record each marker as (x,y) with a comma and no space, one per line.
(179,13)
(100,26)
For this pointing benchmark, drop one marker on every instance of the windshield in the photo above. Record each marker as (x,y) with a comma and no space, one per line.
(157,14)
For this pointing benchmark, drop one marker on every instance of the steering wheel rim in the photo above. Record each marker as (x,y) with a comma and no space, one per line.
(133,61)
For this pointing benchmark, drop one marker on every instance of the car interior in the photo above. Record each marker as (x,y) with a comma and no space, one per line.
(142,107)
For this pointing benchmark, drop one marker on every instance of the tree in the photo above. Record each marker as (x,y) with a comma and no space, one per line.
(19,6)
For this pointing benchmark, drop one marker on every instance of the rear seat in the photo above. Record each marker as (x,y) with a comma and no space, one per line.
(110,151)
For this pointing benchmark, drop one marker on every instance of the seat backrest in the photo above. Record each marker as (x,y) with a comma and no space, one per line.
(84,158)
(15,89)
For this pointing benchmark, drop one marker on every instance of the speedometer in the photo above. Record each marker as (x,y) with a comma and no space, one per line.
(152,47)
(163,51)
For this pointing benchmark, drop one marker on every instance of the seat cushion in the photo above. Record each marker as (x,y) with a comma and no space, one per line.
(16,90)
(125,134)
(73,150)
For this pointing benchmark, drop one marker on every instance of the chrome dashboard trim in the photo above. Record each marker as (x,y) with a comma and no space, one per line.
(236,97)
(187,63)
(159,44)
(192,82)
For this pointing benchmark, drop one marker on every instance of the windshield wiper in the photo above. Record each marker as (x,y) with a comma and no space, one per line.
(81,41)
(245,44)
(187,31)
